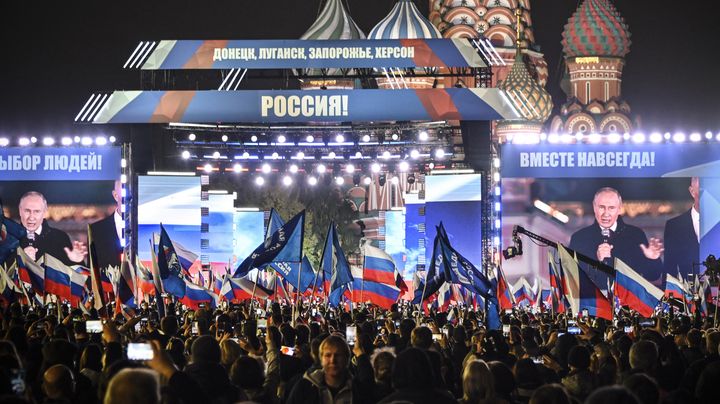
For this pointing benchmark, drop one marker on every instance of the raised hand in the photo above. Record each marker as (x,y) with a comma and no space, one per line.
(653,250)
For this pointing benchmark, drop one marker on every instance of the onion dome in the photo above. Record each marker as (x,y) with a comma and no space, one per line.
(596,29)
(528,97)
(334,22)
(404,22)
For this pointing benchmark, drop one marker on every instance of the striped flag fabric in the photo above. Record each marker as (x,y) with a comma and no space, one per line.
(581,291)
(334,260)
(11,233)
(63,281)
(31,272)
(635,291)
(367,290)
(378,266)
(506,300)
(557,284)
(196,294)
(675,288)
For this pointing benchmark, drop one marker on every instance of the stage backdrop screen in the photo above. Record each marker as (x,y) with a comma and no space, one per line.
(174,202)
(454,200)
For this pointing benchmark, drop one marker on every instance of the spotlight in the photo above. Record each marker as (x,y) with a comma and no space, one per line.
(553,138)
(679,137)
(101,141)
(394,136)
(293,168)
(259,181)
(386,155)
(216,155)
(339,180)
(367,181)
(411,179)
(312,181)
(404,166)
(300,155)
(253,138)
(708,135)
(86,141)
(112,139)
(695,137)
(208,168)
(48,141)
(439,153)
(321,168)
(375,167)
(431,165)
(579,137)
(543,136)
(287,180)
(349,168)
(614,138)
(423,136)
(496,162)
(185,154)
(266,168)
(76,139)
(395,180)
(638,137)
(414,153)
(340,139)
(274,156)
(366,138)
(224,138)
(33,139)
(331,155)
(667,136)
(66,141)
(626,136)
(237,168)
(23,141)
(656,137)
(192,137)
(358,155)
(566,138)
(309,138)
(4,141)
(246,155)
(281,139)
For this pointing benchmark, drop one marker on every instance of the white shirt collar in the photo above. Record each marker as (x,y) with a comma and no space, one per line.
(38,231)
(613,227)
(119,224)
(695,215)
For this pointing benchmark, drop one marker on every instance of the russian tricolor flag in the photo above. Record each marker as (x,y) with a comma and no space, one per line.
(63,281)
(238,289)
(635,291)
(581,292)
(675,288)
(31,272)
(196,294)
(364,290)
(505,296)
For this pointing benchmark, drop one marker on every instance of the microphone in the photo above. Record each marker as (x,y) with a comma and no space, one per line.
(31,239)
(605,234)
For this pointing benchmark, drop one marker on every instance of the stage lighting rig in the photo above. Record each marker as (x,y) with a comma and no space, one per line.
(712,269)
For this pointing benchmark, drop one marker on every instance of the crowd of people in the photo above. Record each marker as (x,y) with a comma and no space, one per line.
(242,353)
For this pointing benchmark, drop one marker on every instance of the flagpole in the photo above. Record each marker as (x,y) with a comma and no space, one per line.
(297,293)
(312,294)
(362,282)
(252,297)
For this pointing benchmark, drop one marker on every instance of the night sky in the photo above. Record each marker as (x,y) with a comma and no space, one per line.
(57,53)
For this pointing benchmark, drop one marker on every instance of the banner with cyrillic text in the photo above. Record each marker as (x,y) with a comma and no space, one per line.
(59,163)
(302,106)
(611,160)
(299,54)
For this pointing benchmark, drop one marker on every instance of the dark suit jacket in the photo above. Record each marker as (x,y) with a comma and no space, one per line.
(682,248)
(106,242)
(51,241)
(626,242)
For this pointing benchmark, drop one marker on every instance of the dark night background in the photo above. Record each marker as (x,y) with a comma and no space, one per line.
(57,53)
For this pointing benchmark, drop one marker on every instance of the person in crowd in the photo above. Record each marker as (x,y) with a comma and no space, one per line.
(412,381)
(579,382)
(478,384)
(610,237)
(107,233)
(550,394)
(137,386)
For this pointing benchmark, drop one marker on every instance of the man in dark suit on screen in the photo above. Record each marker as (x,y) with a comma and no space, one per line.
(611,237)
(682,237)
(106,234)
(43,239)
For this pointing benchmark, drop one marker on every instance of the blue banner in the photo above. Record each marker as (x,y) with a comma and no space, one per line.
(59,163)
(291,54)
(611,160)
(274,106)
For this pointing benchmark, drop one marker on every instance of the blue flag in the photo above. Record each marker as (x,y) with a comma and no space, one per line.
(169,266)
(274,224)
(10,235)
(436,274)
(289,271)
(462,271)
(333,260)
(285,245)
